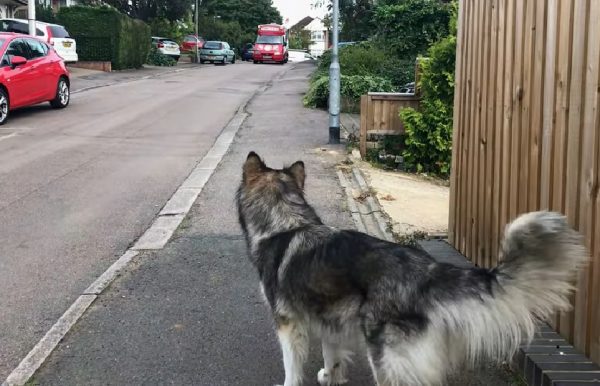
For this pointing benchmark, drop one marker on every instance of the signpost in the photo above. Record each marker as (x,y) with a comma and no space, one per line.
(31,16)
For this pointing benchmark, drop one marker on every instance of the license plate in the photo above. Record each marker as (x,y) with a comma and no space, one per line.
(212,57)
(267,56)
(67,44)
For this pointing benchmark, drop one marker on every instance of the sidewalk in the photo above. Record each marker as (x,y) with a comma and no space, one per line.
(191,313)
(83,79)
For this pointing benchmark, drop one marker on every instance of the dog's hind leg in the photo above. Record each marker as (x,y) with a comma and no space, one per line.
(294,340)
(334,368)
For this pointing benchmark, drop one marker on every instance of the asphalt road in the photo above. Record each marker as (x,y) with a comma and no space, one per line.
(78,186)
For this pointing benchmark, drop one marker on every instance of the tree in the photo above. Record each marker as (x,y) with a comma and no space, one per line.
(148,9)
(300,40)
(247,13)
(409,27)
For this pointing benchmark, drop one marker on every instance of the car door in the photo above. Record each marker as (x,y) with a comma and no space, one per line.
(20,81)
(43,70)
(228,52)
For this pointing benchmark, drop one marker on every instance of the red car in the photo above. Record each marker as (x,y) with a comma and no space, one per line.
(190,42)
(31,72)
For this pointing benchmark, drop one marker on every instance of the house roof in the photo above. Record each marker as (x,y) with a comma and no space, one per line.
(302,23)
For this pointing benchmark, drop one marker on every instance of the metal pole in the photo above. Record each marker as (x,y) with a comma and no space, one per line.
(31,16)
(334,80)
(197,37)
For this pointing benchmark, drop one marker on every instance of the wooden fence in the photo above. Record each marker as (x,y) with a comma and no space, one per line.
(380,114)
(527,133)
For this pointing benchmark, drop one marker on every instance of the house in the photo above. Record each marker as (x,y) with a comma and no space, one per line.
(18,8)
(319,37)
(8,8)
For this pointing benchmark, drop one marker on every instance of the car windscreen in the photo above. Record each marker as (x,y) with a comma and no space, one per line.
(269,39)
(212,46)
(59,32)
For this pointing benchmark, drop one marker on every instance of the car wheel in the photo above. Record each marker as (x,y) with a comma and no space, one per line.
(255,61)
(63,95)
(233,60)
(176,58)
(4,106)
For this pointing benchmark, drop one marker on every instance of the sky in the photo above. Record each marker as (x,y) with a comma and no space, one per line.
(296,10)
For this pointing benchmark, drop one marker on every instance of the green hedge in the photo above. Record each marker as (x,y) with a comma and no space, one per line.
(351,89)
(103,33)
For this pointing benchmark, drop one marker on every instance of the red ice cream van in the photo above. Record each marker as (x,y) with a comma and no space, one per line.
(271,44)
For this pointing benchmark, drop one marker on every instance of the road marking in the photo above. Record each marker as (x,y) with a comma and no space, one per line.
(42,350)
(8,136)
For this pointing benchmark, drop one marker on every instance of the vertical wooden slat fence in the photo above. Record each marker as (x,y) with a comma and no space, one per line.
(527,133)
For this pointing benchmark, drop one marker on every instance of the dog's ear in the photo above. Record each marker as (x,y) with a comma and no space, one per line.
(298,173)
(253,166)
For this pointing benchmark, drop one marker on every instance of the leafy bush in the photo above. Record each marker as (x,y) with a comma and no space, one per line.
(429,131)
(407,28)
(368,58)
(110,35)
(155,58)
(351,88)
(44,13)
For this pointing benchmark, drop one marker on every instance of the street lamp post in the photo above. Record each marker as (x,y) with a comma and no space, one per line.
(31,16)
(334,80)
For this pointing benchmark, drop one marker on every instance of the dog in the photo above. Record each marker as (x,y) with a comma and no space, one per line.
(418,319)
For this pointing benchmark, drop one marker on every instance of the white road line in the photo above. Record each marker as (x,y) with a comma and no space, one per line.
(42,350)
(8,136)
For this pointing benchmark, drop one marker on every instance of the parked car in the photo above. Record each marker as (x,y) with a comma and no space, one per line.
(166,47)
(55,35)
(217,53)
(247,52)
(191,42)
(31,72)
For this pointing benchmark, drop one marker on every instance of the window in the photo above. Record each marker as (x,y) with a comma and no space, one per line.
(269,39)
(213,46)
(18,48)
(36,48)
(58,31)
(317,36)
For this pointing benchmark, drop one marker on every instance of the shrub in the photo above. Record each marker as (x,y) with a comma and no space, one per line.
(155,58)
(429,131)
(351,88)
(102,34)
(44,13)
(407,28)
(369,59)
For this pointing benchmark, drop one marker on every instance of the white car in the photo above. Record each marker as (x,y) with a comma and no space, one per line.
(54,34)
(167,47)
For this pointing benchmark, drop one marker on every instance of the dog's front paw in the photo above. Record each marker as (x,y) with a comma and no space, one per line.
(333,378)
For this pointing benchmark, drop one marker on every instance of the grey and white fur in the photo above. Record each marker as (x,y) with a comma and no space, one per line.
(419,320)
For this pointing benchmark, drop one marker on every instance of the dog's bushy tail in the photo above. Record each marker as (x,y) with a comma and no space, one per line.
(541,255)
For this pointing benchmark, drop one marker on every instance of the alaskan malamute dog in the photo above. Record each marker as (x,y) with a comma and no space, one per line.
(418,319)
